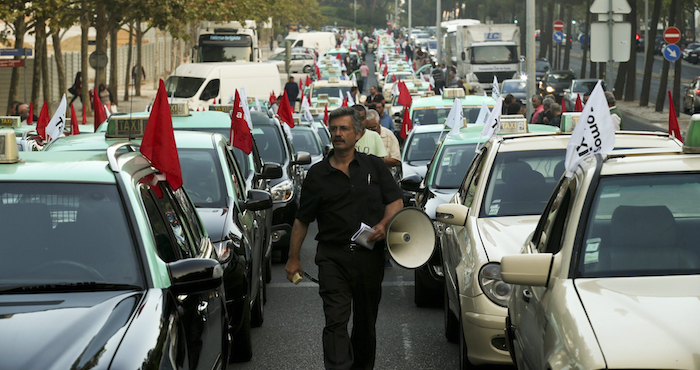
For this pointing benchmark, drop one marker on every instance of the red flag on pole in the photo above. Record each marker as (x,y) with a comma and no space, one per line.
(285,111)
(386,70)
(407,124)
(337,56)
(673,128)
(43,121)
(325,116)
(579,105)
(273,97)
(74,130)
(99,110)
(301,88)
(308,80)
(345,102)
(84,121)
(318,72)
(563,106)
(240,136)
(158,144)
(404,95)
(30,117)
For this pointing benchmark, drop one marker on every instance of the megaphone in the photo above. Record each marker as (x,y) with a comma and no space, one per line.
(410,238)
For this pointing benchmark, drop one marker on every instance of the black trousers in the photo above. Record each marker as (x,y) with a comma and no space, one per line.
(350,278)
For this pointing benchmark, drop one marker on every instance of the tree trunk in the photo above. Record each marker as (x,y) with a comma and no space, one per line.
(663,84)
(20,28)
(631,83)
(646,81)
(36,71)
(84,29)
(602,70)
(677,66)
(546,33)
(139,38)
(620,80)
(567,49)
(58,56)
(127,80)
(102,30)
(113,84)
(46,82)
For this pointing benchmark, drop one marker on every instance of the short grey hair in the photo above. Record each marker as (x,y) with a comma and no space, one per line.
(347,111)
(555,107)
(547,102)
(373,115)
(538,97)
(610,98)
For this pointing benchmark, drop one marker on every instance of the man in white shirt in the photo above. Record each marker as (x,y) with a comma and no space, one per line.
(391,144)
(370,142)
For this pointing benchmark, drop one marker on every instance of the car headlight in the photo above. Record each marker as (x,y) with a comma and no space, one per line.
(492,285)
(282,192)
(550,89)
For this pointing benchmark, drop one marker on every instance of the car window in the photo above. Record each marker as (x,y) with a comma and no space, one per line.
(521,182)
(183,87)
(431,116)
(236,177)
(550,231)
(201,175)
(165,210)
(643,225)
(304,140)
(422,146)
(472,178)
(270,145)
(57,233)
(210,91)
(452,165)
(191,219)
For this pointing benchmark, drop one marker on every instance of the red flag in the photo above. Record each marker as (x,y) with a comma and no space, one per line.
(430,88)
(563,106)
(30,117)
(404,95)
(301,88)
(673,128)
(158,144)
(285,111)
(43,121)
(407,124)
(337,56)
(407,57)
(325,116)
(386,70)
(579,106)
(393,78)
(273,97)
(240,132)
(74,130)
(308,80)
(84,122)
(345,102)
(100,115)
(318,72)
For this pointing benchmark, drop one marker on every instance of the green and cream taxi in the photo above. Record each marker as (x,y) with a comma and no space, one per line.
(434,109)
(329,92)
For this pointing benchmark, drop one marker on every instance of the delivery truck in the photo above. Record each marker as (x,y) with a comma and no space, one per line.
(226,42)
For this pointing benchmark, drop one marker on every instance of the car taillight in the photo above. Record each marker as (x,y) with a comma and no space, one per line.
(697,92)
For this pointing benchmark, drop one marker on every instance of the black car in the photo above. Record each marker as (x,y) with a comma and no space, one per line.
(693,55)
(517,88)
(554,82)
(276,147)
(541,67)
(691,97)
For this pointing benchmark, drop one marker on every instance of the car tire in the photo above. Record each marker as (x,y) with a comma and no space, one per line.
(257,312)
(452,330)
(464,363)
(307,69)
(241,344)
(423,295)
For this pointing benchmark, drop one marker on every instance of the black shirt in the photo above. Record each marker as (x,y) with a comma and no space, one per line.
(340,203)
(372,101)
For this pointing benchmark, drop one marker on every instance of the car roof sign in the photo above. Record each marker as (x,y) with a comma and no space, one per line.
(126,127)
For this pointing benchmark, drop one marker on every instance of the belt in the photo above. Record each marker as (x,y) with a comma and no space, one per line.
(347,247)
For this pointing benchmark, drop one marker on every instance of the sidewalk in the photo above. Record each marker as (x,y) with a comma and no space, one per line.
(651,116)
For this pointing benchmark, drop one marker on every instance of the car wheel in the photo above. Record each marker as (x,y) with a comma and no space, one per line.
(423,295)
(451,323)
(464,363)
(307,69)
(257,311)
(241,345)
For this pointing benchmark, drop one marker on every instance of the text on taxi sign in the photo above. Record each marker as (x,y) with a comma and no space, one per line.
(9,121)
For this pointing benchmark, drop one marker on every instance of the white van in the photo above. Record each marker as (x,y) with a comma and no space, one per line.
(321,41)
(201,84)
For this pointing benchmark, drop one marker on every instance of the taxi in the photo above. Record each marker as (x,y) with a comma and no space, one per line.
(213,180)
(305,138)
(329,92)
(104,265)
(610,277)
(434,109)
(496,207)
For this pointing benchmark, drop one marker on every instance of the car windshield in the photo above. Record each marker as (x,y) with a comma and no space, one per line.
(521,182)
(643,226)
(452,165)
(585,86)
(432,44)
(560,77)
(422,146)
(494,54)
(65,233)
(219,53)
(392,77)
(304,140)
(270,145)
(514,87)
(541,66)
(183,87)
(202,177)
(431,116)
(331,91)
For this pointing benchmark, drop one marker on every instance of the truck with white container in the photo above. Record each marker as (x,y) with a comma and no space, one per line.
(227,42)
(487,50)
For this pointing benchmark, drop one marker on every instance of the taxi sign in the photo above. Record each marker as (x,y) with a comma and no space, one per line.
(179,109)
(9,121)
(8,147)
(692,137)
(512,116)
(322,97)
(333,80)
(226,108)
(418,83)
(126,127)
(429,93)
(297,121)
(315,111)
(413,90)
(569,121)
(513,126)
(453,93)
(251,99)
(399,68)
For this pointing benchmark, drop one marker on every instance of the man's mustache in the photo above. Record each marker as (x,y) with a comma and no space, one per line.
(338,140)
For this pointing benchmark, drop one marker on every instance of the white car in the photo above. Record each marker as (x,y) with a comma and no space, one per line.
(610,278)
(299,63)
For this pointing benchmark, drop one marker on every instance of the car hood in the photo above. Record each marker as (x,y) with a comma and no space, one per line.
(645,322)
(214,220)
(414,168)
(559,85)
(502,236)
(63,330)
(438,197)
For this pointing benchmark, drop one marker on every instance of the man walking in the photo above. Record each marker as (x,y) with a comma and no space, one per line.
(292,90)
(364,72)
(343,191)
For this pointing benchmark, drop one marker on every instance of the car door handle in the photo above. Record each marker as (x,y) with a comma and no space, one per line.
(526,295)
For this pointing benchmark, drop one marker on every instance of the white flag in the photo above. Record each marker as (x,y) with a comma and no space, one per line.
(493,123)
(495,91)
(231,98)
(395,90)
(594,133)
(455,118)
(484,114)
(354,79)
(307,113)
(246,109)
(55,128)
(351,101)
(422,78)
(107,111)
(340,94)
(432,81)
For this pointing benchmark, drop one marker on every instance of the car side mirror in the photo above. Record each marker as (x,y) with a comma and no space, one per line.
(192,275)
(271,171)
(258,200)
(302,158)
(412,183)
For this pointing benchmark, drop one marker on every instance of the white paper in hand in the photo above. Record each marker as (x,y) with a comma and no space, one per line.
(362,234)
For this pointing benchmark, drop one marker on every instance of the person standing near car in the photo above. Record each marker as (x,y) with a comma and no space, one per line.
(364,72)
(391,144)
(537,104)
(341,192)
(615,113)
(292,90)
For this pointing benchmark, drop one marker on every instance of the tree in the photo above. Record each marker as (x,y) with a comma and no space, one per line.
(646,81)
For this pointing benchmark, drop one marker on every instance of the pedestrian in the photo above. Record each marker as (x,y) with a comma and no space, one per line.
(343,191)
(384,118)
(556,115)
(279,40)
(354,92)
(272,41)
(391,144)
(106,97)
(506,102)
(614,112)
(12,109)
(292,90)
(343,75)
(369,142)
(544,116)
(76,89)
(23,110)
(537,104)
(374,97)
(364,72)
(514,108)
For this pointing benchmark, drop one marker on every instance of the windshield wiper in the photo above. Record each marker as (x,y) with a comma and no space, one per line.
(86,286)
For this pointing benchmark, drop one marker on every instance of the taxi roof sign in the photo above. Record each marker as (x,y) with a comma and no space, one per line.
(125,127)
(10,121)
(322,97)
(333,80)
(297,120)
(513,126)
(8,147)
(180,109)
(691,144)
(569,121)
(226,108)
(453,93)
